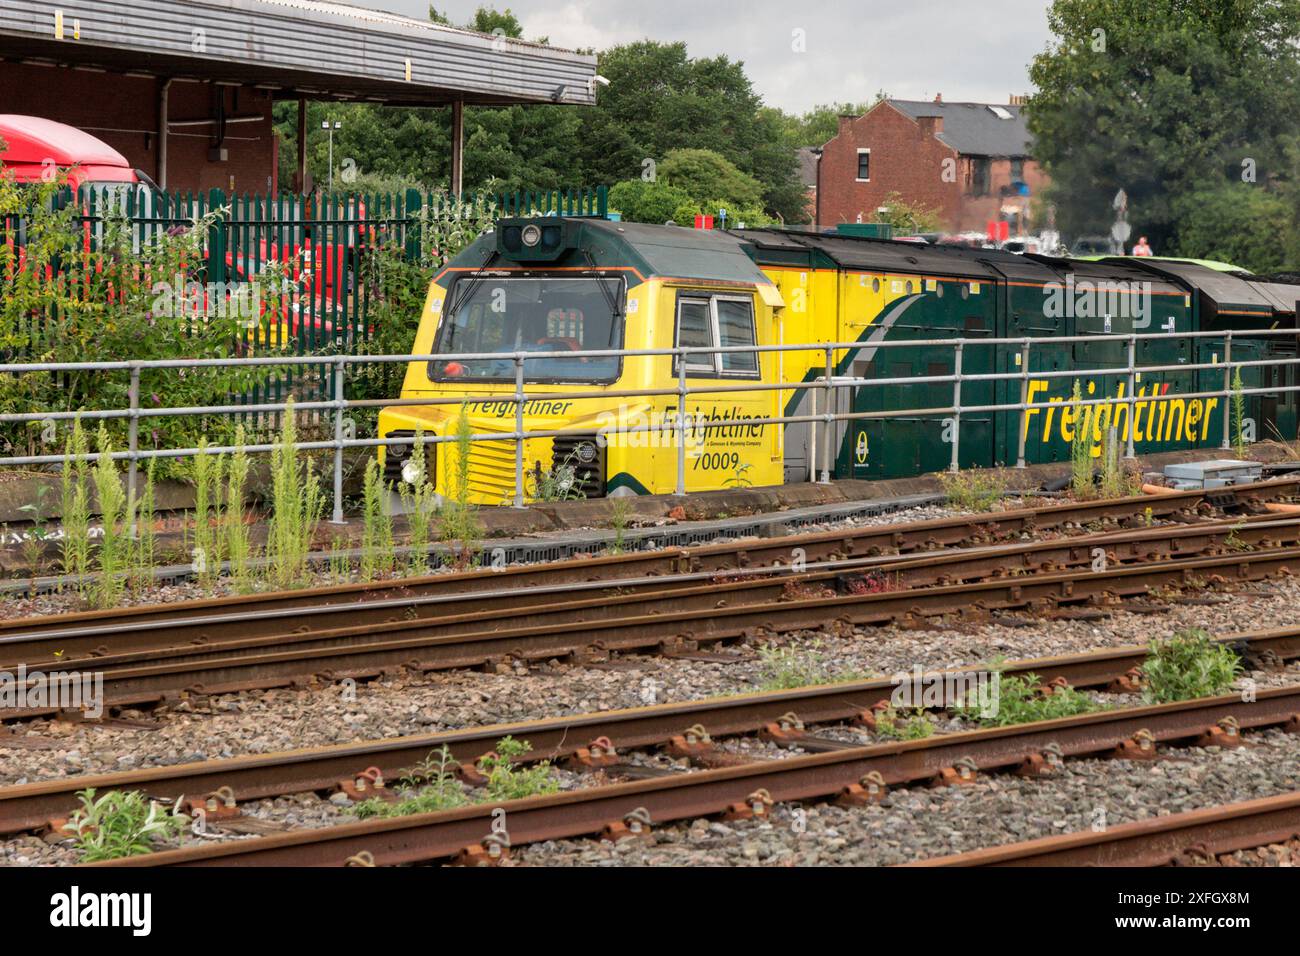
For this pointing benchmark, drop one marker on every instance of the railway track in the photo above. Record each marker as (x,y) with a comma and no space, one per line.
(363,604)
(852,775)
(1195,836)
(711,615)
(784,716)
(582,602)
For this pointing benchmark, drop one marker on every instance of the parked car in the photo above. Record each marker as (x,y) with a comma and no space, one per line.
(1091,246)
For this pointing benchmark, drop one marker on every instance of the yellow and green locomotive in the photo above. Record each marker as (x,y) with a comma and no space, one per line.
(527,304)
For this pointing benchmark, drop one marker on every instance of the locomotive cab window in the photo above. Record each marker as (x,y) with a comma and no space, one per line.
(548,317)
(719,321)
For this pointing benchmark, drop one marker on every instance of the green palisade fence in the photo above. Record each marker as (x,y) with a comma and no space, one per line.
(322,239)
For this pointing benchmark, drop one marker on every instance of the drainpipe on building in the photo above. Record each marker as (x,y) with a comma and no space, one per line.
(162,134)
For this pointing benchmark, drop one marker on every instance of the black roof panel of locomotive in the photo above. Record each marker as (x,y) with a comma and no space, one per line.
(1285,296)
(1107,272)
(862,254)
(673,251)
(1222,288)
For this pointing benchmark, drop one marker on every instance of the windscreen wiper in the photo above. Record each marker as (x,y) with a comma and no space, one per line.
(614,309)
(469,284)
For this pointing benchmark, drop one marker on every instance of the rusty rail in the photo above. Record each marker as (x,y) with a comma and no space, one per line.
(671,632)
(1161,841)
(581,603)
(29,806)
(346,604)
(855,775)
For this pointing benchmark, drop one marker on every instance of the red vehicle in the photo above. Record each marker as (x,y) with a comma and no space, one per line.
(37,149)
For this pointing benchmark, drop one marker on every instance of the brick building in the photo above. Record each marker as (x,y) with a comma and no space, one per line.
(969,161)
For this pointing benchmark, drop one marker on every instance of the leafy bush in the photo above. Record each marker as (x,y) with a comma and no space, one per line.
(705,175)
(978,490)
(508,782)
(890,723)
(1021,700)
(653,202)
(1189,665)
(120,823)
(297,504)
(66,299)
(786,668)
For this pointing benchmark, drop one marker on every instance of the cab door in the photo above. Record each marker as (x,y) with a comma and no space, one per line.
(723,449)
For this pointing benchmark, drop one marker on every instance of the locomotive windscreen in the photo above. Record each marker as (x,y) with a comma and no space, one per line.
(551,316)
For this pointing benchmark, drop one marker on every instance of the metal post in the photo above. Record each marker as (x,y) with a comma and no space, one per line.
(133,444)
(519,430)
(827,433)
(955,465)
(1130,452)
(812,438)
(1227,390)
(458,150)
(681,423)
(339,369)
(1024,404)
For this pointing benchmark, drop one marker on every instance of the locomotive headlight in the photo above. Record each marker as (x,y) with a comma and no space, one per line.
(532,235)
(410,473)
(586,452)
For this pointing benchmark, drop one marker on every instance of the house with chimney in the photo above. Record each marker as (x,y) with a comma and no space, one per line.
(970,162)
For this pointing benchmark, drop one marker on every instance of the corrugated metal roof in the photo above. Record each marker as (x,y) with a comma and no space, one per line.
(974,129)
(321,48)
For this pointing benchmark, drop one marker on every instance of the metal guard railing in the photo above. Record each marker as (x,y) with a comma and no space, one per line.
(826,385)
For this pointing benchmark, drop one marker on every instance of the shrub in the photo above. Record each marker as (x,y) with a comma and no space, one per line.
(1189,665)
(890,723)
(978,490)
(377,525)
(297,504)
(121,823)
(115,542)
(1022,700)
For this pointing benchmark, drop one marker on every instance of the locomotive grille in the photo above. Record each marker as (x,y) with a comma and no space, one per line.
(585,455)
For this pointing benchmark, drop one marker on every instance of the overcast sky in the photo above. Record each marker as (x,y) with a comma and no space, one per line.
(912,49)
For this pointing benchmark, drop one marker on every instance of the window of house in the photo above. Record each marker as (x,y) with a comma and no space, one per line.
(722,321)
(864,165)
(979,176)
(1017,170)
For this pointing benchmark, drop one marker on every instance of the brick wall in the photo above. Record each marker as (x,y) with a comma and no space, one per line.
(907,159)
(123,112)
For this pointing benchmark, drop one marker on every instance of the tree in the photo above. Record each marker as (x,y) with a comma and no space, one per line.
(659,101)
(1162,98)
(664,100)
(820,124)
(909,218)
(703,174)
(1239,223)
(641,201)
